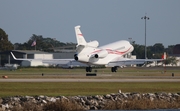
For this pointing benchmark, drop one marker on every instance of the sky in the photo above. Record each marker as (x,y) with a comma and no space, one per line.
(102,20)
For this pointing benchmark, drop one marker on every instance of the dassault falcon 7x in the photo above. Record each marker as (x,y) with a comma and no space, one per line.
(89,53)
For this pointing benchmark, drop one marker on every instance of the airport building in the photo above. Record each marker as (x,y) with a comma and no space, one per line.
(26,54)
(6,57)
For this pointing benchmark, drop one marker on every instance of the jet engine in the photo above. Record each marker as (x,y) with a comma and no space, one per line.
(93,44)
(81,58)
(101,54)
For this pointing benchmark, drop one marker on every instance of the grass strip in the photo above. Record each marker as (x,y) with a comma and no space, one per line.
(83,88)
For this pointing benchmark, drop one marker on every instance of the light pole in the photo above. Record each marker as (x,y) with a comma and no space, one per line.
(129,54)
(145,18)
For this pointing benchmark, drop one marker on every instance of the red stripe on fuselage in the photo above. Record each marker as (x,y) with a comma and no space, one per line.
(110,51)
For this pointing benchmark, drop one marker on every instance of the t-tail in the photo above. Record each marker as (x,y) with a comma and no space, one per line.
(79,36)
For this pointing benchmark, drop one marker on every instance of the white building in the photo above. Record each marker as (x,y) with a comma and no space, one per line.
(37,62)
(32,54)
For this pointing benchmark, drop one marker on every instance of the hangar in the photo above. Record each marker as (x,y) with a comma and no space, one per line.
(6,58)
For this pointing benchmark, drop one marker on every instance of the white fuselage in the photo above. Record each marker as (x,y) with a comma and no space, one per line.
(104,54)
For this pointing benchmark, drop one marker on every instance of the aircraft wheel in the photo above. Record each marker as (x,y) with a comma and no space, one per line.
(88,69)
(113,69)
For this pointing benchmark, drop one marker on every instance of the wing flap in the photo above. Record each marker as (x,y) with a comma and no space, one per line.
(65,62)
(127,61)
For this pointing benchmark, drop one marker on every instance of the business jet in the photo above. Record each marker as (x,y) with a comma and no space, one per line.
(110,55)
(89,53)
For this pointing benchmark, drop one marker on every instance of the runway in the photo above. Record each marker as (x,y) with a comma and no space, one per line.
(91,80)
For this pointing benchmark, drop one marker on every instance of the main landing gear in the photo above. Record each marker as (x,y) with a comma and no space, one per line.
(114,69)
(88,69)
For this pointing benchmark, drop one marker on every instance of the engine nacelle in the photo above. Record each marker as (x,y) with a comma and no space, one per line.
(101,54)
(81,58)
(93,44)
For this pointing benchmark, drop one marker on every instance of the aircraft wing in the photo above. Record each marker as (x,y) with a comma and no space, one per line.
(44,60)
(65,63)
(127,61)
(60,62)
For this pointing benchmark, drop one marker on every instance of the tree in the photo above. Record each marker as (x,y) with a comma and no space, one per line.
(138,51)
(43,44)
(5,44)
(171,60)
(169,50)
(158,48)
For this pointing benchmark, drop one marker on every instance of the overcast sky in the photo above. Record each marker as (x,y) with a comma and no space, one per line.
(102,20)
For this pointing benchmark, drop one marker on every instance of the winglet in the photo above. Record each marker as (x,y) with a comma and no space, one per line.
(13,56)
(79,36)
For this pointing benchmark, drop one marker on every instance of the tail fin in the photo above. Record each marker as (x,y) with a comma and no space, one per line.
(164,56)
(79,36)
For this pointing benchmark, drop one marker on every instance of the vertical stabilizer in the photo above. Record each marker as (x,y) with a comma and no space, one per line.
(79,36)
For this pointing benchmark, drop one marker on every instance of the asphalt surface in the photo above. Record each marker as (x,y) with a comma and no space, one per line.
(92,80)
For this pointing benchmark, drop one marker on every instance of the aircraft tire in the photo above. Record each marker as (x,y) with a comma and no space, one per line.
(88,69)
(113,69)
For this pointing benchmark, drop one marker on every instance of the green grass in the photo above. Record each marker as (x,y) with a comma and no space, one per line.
(83,88)
(56,72)
(82,70)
